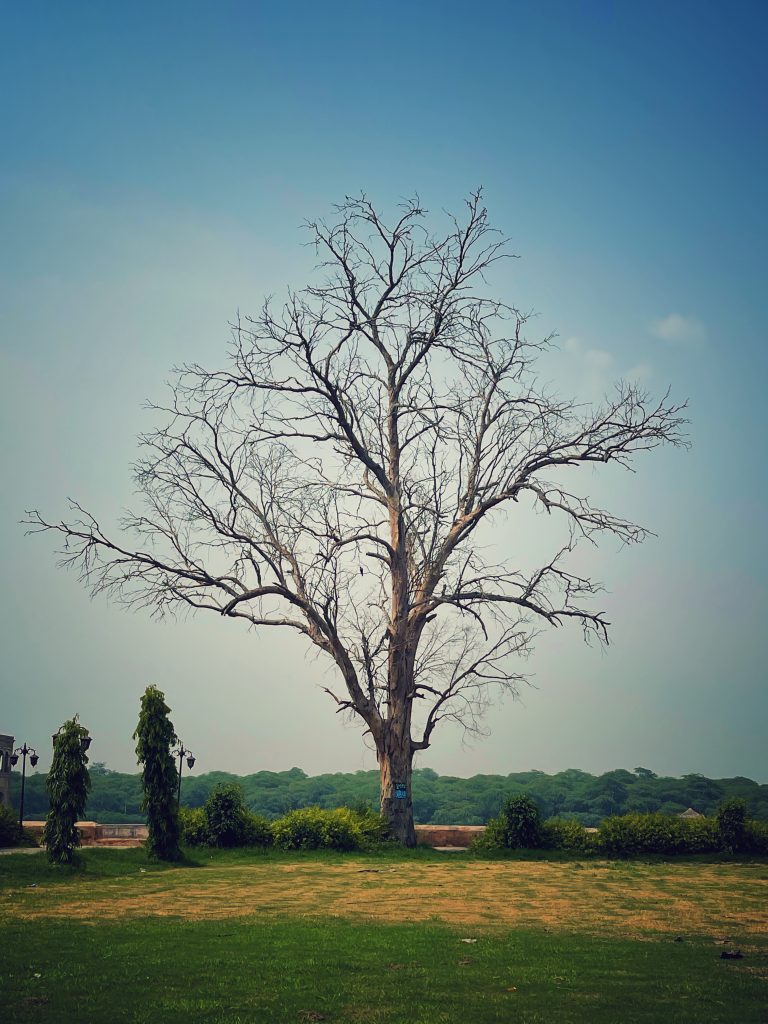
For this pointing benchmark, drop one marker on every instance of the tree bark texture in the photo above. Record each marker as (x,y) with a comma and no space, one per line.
(396,768)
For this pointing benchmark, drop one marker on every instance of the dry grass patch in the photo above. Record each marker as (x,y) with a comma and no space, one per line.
(598,897)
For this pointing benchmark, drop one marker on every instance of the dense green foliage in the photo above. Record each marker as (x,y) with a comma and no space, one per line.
(314,828)
(518,827)
(10,831)
(440,799)
(154,737)
(627,835)
(225,821)
(67,784)
(731,819)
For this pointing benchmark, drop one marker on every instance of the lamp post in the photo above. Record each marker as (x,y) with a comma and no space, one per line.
(181,753)
(33,759)
(85,742)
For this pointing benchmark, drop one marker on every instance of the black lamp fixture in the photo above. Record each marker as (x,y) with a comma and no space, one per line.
(85,741)
(181,752)
(33,759)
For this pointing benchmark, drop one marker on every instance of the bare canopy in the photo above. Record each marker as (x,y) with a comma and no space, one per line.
(332,477)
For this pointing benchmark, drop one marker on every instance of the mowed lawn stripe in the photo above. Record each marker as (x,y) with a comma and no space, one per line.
(597,897)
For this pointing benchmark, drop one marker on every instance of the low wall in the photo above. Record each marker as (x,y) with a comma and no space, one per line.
(447,835)
(94,834)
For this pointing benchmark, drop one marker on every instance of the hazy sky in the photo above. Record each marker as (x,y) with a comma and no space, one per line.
(156,163)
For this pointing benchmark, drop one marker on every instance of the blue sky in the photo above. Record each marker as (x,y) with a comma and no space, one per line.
(156,164)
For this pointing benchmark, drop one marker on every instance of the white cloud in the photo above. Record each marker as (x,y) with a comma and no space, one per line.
(595,367)
(595,358)
(598,359)
(599,368)
(640,372)
(678,328)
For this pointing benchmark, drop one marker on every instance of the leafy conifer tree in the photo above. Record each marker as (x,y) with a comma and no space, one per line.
(68,784)
(154,737)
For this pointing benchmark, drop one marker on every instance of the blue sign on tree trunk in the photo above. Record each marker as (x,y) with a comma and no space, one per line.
(400,791)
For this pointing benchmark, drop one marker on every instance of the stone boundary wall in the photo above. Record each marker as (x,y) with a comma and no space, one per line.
(94,834)
(447,835)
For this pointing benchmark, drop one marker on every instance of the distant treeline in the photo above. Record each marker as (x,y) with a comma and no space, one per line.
(438,799)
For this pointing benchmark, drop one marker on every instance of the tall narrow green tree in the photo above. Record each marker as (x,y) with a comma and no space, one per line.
(68,784)
(154,737)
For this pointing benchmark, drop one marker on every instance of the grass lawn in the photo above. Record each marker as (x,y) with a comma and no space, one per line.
(241,937)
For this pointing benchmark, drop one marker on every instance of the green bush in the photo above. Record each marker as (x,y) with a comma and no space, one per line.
(756,836)
(631,834)
(567,834)
(700,835)
(224,824)
(518,827)
(493,838)
(224,813)
(257,831)
(627,834)
(731,820)
(522,823)
(194,827)
(10,833)
(314,828)
(228,822)
(372,827)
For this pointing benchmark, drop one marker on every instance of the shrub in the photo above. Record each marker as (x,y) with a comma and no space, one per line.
(756,836)
(299,830)
(630,834)
(522,823)
(493,838)
(731,819)
(228,822)
(567,834)
(10,833)
(194,827)
(341,830)
(627,834)
(700,835)
(518,827)
(371,826)
(313,828)
(257,831)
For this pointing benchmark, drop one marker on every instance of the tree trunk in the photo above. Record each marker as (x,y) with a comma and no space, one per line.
(396,767)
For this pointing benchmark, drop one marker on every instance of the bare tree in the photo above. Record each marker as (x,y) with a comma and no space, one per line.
(332,479)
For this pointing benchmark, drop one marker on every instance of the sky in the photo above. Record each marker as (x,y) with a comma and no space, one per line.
(157,162)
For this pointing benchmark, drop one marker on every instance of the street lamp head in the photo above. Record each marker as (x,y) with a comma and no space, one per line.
(14,759)
(191,761)
(85,742)
(33,759)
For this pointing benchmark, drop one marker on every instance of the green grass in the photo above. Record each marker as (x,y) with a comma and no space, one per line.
(256,971)
(285,967)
